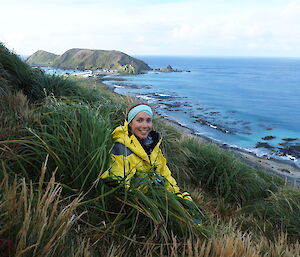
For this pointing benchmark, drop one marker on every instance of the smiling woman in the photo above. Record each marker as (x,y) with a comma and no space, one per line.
(140,120)
(136,155)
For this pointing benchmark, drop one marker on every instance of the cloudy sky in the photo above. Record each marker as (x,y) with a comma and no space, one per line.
(154,27)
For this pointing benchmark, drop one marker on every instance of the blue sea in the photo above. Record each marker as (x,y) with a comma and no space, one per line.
(247,103)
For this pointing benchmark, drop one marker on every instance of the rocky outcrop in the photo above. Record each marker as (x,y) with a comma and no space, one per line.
(169,69)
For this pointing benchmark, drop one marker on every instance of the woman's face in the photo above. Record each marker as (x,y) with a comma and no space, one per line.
(141,125)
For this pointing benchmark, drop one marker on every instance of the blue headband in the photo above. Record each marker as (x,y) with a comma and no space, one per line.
(139,108)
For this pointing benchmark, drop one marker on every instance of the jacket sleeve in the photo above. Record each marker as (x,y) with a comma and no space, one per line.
(164,171)
(121,168)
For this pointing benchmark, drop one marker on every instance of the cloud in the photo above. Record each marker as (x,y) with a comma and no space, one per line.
(269,29)
(153,27)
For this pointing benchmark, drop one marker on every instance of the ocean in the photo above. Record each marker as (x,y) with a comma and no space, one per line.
(246,103)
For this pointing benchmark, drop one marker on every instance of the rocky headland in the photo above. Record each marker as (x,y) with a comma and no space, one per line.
(87,59)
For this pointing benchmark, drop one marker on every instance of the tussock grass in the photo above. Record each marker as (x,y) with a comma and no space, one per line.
(281,209)
(57,86)
(15,113)
(224,175)
(18,75)
(38,220)
(77,140)
(174,153)
(142,221)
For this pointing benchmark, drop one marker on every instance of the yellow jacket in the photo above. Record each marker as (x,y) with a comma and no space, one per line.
(130,162)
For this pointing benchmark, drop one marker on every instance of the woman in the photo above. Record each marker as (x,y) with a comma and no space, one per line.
(136,155)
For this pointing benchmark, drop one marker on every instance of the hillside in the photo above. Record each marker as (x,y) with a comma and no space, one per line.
(87,59)
(55,142)
(41,58)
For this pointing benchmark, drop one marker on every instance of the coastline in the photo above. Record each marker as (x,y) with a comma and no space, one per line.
(284,169)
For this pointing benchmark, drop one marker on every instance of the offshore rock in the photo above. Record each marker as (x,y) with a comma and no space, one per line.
(169,69)
(264,145)
(268,138)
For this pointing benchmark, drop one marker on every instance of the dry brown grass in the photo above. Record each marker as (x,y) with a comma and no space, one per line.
(14,113)
(235,244)
(39,222)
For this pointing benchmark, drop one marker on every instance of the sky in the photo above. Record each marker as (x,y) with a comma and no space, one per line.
(265,28)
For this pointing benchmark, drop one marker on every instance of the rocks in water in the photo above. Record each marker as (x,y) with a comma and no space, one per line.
(264,145)
(246,122)
(214,113)
(169,69)
(290,150)
(133,86)
(173,105)
(214,126)
(289,139)
(268,138)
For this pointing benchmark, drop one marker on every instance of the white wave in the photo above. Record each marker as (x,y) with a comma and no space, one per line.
(162,95)
(262,152)
(291,157)
(182,124)
(146,98)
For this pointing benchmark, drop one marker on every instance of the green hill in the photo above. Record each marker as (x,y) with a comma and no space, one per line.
(41,58)
(87,59)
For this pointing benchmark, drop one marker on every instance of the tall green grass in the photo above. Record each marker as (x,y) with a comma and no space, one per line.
(174,153)
(76,138)
(226,176)
(144,221)
(281,209)
(17,73)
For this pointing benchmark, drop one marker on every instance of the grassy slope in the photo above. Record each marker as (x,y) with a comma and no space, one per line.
(62,125)
(41,58)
